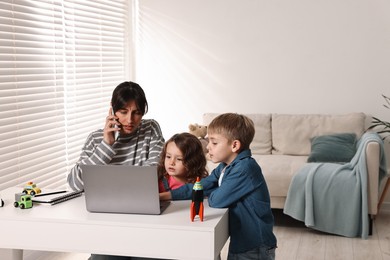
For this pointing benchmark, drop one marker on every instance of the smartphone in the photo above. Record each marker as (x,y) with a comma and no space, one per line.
(116,133)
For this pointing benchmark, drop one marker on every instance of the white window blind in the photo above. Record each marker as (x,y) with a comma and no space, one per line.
(59,63)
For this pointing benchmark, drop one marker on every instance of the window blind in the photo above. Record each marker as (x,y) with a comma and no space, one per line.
(59,63)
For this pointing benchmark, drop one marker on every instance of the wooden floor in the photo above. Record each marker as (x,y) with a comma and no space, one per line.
(296,242)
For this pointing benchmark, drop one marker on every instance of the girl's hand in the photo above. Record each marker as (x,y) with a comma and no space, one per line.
(165,195)
(109,128)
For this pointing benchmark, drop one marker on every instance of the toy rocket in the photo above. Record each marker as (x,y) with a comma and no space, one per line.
(197,200)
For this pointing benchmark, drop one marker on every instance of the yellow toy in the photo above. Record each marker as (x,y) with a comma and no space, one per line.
(31,189)
(200,131)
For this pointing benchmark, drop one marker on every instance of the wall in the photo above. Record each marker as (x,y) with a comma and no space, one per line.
(248,56)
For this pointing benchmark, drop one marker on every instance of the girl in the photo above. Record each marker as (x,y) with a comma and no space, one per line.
(182,161)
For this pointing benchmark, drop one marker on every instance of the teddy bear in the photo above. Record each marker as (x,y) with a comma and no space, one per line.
(200,131)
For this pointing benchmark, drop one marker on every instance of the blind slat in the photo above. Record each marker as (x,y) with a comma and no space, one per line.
(58,60)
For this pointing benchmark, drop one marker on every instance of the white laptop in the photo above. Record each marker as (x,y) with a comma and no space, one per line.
(122,189)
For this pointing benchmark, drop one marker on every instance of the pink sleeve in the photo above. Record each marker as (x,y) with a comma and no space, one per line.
(160,187)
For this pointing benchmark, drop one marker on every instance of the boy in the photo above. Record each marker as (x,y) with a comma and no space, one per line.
(238,184)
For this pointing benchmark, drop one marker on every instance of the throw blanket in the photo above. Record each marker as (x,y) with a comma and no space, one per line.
(332,197)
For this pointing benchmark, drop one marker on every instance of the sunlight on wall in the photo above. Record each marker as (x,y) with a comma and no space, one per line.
(178,85)
(261,57)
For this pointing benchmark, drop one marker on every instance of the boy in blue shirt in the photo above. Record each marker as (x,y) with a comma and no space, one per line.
(238,184)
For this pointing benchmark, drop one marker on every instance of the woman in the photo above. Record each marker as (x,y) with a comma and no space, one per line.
(126,139)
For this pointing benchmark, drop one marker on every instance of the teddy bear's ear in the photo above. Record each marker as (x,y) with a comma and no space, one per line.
(191,127)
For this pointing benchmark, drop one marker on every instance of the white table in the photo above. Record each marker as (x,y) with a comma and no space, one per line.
(69,227)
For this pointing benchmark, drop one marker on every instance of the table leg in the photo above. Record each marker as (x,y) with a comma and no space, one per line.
(11,254)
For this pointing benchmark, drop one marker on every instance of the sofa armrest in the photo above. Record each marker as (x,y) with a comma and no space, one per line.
(373,161)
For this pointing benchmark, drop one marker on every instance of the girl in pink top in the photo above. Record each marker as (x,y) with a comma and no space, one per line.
(182,160)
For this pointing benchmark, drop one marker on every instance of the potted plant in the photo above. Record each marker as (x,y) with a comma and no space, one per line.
(384,127)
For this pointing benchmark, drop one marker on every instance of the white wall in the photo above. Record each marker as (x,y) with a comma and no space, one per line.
(282,56)
(271,56)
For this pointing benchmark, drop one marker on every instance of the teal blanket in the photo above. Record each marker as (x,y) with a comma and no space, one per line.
(332,197)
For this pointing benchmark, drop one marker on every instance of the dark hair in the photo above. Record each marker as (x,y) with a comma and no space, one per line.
(194,159)
(127,91)
(234,127)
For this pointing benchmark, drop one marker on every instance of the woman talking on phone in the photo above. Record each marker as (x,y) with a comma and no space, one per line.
(126,138)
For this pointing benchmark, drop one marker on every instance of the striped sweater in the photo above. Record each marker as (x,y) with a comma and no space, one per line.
(142,147)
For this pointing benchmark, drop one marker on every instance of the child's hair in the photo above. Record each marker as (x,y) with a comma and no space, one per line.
(194,159)
(234,127)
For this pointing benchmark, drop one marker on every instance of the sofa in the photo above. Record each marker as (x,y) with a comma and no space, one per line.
(283,144)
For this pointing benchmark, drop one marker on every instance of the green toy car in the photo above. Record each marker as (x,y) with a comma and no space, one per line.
(23,201)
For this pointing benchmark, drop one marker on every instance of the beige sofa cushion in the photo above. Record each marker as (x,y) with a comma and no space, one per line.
(261,143)
(278,170)
(291,134)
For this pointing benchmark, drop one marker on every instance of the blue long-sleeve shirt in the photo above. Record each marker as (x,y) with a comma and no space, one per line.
(244,191)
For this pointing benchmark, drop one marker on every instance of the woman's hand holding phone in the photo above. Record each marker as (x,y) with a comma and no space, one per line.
(111,128)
